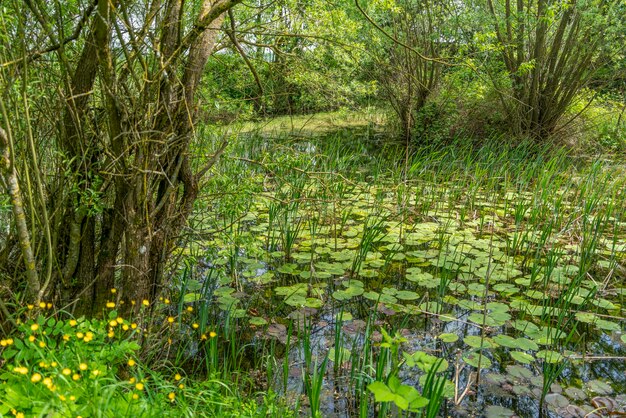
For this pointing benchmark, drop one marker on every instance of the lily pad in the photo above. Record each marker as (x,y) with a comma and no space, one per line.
(448,337)
(497,411)
(599,387)
(522,357)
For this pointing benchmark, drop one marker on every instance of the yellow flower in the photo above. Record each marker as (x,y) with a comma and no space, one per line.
(66,372)
(42,344)
(35,378)
(125,327)
(31,338)
(83,366)
(133,325)
(119,320)
(95,372)
(113,290)
(72,398)
(34,327)
(42,365)
(111,334)
(212,334)
(181,386)
(110,304)
(19,415)
(170,319)
(166,301)
(203,337)
(73,322)
(113,323)
(189,308)
(171,396)
(66,337)
(132,380)
(80,335)
(177,377)
(195,326)
(75,376)
(145,302)
(139,386)
(54,364)
(131,362)
(49,305)
(135,396)
(42,305)
(63,398)
(47,381)
(30,307)
(21,370)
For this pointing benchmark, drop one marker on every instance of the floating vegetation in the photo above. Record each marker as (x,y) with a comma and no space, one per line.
(504,265)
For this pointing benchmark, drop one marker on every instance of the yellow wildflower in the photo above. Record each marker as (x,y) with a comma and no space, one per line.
(131,362)
(75,376)
(113,290)
(21,370)
(73,322)
(66,372)
(177,377)
(110,305)
(139,386)
(35,378)
(34,327)
(170,319)
(145,302)
(212,334)
(83,366)
(171,396)
(195,326)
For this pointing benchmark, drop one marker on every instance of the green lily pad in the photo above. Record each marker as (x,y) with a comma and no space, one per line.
(448,338)
(258,321)
(522,357)
(472,360)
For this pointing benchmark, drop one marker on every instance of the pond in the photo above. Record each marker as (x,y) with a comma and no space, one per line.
(489,277)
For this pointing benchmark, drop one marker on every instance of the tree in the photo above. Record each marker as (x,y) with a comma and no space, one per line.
(550,50)
(412,36)
(125,77)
